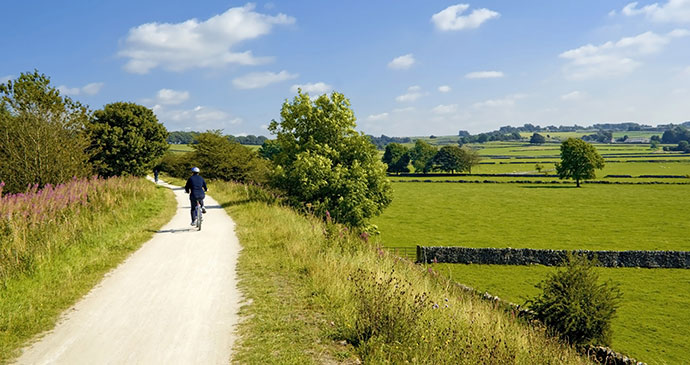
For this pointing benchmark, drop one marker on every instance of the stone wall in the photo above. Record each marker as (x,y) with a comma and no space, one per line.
(527,256)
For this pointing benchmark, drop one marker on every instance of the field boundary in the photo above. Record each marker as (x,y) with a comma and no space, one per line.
(528,256)
(567,182)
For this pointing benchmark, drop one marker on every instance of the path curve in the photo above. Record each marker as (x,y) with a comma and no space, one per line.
(174,301)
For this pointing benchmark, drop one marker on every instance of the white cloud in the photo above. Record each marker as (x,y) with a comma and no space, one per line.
(613,59)
(194,43)
(686,71)
(450,18)
(375,117)
(508,101)
(674,11)
(444,89)
(4,79)
(256,80)
(572,96)
(413,93)
(312,88)
(403,62)
(92,88)
(197,118)
(404,110)
(484,75)
(445,109)
(88,89)
(171,97)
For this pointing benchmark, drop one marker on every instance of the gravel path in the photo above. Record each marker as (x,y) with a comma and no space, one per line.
(174,301)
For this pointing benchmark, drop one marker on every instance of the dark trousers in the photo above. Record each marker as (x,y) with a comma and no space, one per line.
(193,201)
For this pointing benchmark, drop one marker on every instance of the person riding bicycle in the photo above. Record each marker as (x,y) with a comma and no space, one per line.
(196,188)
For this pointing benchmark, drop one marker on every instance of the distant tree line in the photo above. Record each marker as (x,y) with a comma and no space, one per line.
(488,137)
(679,135)
(381,142)
(181,137)
(612,127)
(600,136)
(426,158)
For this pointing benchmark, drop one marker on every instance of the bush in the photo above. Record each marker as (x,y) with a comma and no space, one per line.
(220,158)
(575,305)
(176,164)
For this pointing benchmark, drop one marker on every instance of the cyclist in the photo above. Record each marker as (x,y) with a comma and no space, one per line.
(196,188)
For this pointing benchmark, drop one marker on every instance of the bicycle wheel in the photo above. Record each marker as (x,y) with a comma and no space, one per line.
(199,216)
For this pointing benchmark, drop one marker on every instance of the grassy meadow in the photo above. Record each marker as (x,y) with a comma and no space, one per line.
(652,318)
(316,293)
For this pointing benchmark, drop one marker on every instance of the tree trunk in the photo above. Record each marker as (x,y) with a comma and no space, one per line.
(578,182)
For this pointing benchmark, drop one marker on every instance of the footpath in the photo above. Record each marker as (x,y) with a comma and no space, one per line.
(174,301)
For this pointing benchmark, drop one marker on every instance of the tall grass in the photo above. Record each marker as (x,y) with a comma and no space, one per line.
(57,243)
(342,290)
(36,224)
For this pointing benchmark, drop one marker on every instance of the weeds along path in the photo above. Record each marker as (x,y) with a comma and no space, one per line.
(175,300)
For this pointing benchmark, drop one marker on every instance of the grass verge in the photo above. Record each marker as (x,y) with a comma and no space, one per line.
(31,302)
(318,294)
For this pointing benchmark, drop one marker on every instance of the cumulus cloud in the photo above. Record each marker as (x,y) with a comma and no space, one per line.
(402,63)
(171,97)
(444,89)
(572,96)
(375,117)
(508,101)
(197,118)
(450,18)
(312,88)
(404,110)
(673,11)
(613,59)
(445,109)
(88,89)
(484,75)
(257,80)
(413,93)
(198,44)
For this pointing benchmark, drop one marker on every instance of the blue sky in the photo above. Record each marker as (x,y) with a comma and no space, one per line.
(408,67)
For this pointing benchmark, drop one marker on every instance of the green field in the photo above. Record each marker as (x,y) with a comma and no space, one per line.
(653,320)
(603,217)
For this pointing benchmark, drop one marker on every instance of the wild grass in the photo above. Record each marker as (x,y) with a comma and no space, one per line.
(651,323)
(57,244)
(318,293)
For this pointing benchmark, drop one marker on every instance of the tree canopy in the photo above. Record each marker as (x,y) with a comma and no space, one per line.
(127,139)
(397,157)
(537,139)
(324,164)
(579,159)
(421,155)
(42,134)
(220,158)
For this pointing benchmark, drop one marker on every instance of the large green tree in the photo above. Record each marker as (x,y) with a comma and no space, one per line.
(421,155)
(42,134)
(220,158)
(579,159)
(397,158)
(324,163)
(127,139)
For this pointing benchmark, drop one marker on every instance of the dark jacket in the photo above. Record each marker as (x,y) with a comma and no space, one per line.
(195,187)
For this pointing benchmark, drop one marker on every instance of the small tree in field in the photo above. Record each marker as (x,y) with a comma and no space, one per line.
(537,139)
(127,139)
(579,159)
(575,305)
(322,161)
(397,157)
(421,154)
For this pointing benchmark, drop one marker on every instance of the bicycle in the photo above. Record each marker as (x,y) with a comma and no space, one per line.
(199,216)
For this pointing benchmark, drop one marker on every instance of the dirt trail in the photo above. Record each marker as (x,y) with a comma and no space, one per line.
(174,301)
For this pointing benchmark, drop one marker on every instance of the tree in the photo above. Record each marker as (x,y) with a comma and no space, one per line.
(397,157)
(579,159)
(537,139)
(127,139)
(220,158)
(325,163)
(269,149)
(421,155)
(575,305)
(450,158)
(42,134)
(471,157)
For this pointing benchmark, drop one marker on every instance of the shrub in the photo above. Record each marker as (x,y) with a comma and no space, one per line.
(575,305)
(176,164)
(220,158)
